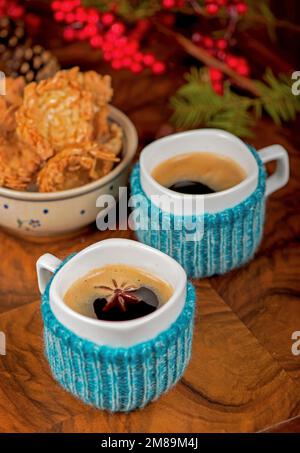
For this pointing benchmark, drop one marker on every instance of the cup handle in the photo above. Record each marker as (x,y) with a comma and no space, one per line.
(46,265)
(281,175)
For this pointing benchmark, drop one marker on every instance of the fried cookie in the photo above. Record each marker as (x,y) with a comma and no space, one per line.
(56,133)
(113,143)
(101,91)
(14,90)
(9,103)
(99,86)
(56,113)
(115,139)
(74,167)
(18,164)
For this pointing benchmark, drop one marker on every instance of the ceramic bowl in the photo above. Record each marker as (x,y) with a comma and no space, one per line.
(43,215)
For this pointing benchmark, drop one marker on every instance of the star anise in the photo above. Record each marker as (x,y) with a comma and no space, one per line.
(119,296)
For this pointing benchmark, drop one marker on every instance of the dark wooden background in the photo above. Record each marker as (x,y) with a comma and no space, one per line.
(242,376)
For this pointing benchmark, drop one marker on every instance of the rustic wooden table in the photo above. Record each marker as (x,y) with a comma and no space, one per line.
(242,376)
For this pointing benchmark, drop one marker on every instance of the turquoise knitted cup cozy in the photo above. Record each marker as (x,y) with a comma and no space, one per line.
(119,379)
(230,237)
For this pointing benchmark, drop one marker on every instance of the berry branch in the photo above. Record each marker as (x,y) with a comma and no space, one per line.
(119,31)
(119,42)
(208,59)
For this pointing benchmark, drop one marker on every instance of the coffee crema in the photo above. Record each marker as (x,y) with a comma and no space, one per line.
(117,292)
(199,173)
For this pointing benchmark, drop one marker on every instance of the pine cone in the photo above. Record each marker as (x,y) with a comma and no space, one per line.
(12,34)
(33,63)
(19,58)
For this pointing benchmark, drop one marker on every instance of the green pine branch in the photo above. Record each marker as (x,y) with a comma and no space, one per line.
(276,98)
(197,105)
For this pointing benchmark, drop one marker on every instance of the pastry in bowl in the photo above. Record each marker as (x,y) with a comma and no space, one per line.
(60,128)
(61,146)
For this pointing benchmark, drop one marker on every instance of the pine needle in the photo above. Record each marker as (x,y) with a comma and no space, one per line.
(197,105)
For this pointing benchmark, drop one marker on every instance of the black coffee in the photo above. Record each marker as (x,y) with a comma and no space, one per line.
(117,292)
(191,188)
(124,306)
(198,173)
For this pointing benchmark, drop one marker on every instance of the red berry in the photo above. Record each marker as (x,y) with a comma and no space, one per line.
(158,67)
(149,59)
(215,75)
(212,8)
(93,16)
(59,16)
(232,61)
(117,54)
(168,3)
(14,11)
(222,44)
(243,70)
(138,56)
(110,37)
(131,48)
(127,61)
(55,5)
(208,42)
(69,34)
(96,41)
(66,6)
(121,42)
(82,34)
(108,46)
(136,67)
(116,64)
(70,17)
(80,14)
(91,30)
(118,28)
(241,8)
(107,56)
(107,19)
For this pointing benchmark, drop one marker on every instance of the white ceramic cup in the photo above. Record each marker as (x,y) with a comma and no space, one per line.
(220,143)
(113,251)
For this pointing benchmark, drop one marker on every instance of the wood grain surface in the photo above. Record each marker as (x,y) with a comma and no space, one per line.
(242,376)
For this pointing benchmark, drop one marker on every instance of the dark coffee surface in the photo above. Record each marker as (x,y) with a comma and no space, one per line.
(191,188)
(141,302)
(199,173)
(117,293)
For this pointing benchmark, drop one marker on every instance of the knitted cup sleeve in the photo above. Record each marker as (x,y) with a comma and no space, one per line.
(118,379)
(229,238)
